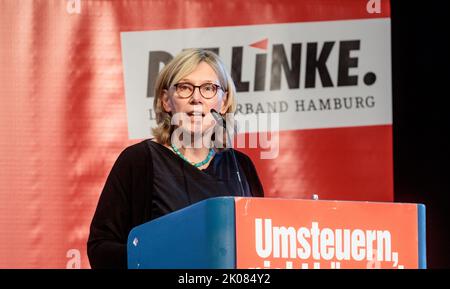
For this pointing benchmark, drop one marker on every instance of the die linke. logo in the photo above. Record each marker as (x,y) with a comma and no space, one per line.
(316,61)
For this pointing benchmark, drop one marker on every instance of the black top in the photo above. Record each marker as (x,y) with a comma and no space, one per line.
(148,181)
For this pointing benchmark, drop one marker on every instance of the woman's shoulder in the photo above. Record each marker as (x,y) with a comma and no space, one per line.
(242,157)
(142,149)
(240,154)
(135,152)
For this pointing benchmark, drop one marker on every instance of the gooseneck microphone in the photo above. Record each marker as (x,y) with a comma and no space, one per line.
(221,121)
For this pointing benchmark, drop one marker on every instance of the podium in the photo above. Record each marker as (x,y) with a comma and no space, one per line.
(259,233)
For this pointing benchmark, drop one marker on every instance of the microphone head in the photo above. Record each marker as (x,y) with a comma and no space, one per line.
(217,117)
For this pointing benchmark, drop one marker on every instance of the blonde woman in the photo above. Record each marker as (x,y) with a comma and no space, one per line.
(180,165)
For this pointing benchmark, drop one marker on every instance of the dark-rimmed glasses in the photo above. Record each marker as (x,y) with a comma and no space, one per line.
(186,89)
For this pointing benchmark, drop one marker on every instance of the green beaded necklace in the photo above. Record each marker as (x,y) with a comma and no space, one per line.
(197,165)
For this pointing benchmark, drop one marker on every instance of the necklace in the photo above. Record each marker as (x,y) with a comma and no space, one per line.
(208,157)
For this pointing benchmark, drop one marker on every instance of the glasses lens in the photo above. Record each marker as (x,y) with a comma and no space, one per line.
(184,90)
(208,90)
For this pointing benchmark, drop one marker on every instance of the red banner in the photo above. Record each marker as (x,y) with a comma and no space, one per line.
(64,113)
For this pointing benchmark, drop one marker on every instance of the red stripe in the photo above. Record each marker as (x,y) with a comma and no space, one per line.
(175,14)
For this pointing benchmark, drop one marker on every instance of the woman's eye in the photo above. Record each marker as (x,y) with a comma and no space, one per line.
(184,87)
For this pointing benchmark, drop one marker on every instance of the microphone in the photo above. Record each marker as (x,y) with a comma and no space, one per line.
(221,121)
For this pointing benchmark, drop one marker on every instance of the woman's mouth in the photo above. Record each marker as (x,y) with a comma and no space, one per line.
(196,113)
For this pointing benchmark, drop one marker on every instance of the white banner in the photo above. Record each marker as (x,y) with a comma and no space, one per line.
(314,74)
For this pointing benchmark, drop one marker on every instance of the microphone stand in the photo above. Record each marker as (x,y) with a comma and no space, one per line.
(221,121)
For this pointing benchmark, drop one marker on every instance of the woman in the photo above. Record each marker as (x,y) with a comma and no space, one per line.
(178,167)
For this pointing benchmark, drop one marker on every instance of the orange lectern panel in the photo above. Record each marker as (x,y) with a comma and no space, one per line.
(286,233)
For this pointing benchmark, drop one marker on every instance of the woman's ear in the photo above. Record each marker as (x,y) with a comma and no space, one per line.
(166,101)
(223,105)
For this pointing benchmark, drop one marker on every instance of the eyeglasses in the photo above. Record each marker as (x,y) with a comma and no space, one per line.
(186,89)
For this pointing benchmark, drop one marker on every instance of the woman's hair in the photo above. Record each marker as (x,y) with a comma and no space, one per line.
(179,67)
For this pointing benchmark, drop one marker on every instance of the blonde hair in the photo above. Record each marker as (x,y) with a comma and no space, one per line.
(179,67)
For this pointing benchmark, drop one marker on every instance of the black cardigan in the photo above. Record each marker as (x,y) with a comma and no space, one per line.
(148,181)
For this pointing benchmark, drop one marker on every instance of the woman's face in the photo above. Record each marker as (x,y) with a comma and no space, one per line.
(194,110)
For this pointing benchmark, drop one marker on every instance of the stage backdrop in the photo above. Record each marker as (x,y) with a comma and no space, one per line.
(76,80)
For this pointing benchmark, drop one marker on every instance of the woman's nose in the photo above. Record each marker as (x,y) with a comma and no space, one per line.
(196,96)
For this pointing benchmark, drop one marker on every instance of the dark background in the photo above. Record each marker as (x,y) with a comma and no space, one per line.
(421,81)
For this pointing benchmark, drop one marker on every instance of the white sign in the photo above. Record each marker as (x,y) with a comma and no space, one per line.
(314,74)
